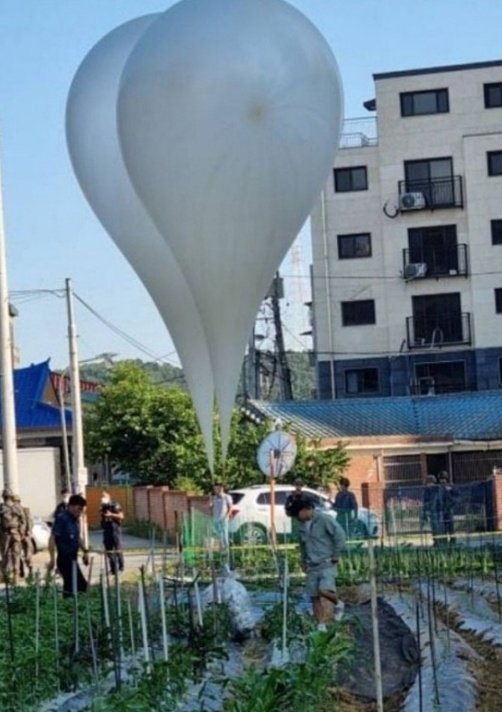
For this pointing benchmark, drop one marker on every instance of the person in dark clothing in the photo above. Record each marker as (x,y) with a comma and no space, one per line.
(66,540)
(345,505)
(290,506)
(431,508)
(62,504)
(295,495)
(111,522)
(449,497)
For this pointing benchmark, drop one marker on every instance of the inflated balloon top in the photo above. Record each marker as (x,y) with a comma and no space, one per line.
(228,114)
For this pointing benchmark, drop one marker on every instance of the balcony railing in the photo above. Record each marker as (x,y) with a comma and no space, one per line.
(435,262)
(424,333)
(427,386)
(431,194)
(359,132)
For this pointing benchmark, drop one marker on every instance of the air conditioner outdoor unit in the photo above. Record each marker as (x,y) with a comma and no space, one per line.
(412,201)
(415,269)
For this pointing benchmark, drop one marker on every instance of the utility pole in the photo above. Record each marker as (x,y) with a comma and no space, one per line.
(250,362)
(253,367)
(79,471)
(9,442)
(284,373)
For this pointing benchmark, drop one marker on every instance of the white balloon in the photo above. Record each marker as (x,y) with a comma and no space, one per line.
(229,116)
(97,161)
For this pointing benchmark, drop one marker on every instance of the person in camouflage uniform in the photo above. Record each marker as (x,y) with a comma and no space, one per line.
(25,564)
(11,522)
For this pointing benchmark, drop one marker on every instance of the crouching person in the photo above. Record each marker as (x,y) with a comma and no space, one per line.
(321,542)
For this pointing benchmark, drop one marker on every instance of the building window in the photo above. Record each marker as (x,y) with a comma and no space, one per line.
(433,177)
(437,320)
(358,312)
(348,179)
(498,300)
(361,380)
(496,226)
(494,163)
(352,246)
(493,95)
(440,377)
(436,247)
(418,103)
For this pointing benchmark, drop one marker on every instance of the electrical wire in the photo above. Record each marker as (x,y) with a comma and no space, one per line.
(119,332)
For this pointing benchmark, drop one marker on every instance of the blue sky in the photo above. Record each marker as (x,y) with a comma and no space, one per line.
(50,230)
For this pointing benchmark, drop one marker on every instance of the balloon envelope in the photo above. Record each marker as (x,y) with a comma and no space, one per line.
(229,116)
(97,161)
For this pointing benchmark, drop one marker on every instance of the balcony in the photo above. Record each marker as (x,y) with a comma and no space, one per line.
(429,386)
(431,194)
(359,133)
(435,262)
(424,333)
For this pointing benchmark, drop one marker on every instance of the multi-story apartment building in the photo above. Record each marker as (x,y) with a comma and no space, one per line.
(407,241)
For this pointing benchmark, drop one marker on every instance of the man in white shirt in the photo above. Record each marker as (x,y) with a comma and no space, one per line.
(221,506)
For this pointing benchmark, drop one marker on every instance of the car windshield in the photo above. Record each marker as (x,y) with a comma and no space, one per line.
(236,496)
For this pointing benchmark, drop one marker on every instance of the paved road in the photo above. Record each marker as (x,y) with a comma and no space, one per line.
(137,553)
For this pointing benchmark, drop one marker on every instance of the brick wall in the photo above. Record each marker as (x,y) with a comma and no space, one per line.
(200,503)
(497,499)
(175,507)
(362,470)
(164,507)
(157,511)
(372,497)
(142,502)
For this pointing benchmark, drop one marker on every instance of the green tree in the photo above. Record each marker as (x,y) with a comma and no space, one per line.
(317,465)
(241,466)
(147,430)
(152,432)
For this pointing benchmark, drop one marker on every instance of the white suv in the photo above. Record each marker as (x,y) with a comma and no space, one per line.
(250,517)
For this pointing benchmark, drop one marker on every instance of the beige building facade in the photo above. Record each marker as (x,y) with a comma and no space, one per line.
(407,240)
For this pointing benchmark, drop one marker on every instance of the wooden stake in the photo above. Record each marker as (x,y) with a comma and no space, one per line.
(165,645)
(37,625)
(144,630)
(376,634)
(131,629)
(75,608)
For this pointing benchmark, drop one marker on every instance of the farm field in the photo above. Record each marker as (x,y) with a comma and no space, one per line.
(193,635)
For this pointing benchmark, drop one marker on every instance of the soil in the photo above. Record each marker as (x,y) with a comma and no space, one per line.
(487,668)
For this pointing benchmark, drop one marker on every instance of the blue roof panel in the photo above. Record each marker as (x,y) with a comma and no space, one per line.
(31,411)
(460,416)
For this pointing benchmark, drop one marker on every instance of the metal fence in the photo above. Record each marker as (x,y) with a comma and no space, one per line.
(438,510)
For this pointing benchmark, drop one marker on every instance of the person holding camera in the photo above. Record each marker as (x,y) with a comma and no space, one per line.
(111,523)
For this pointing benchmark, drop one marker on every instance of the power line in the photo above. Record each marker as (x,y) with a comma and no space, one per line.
(116,330)
(27,295)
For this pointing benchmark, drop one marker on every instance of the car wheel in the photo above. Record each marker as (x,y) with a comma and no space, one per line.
(252,534)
